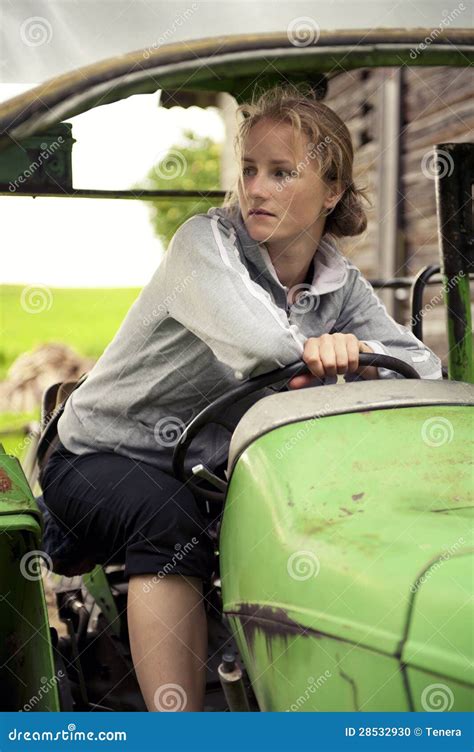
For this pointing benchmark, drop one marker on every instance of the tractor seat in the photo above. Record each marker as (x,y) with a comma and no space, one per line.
(53,396)
(62,548)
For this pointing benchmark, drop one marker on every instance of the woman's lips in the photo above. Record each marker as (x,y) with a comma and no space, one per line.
(260,214)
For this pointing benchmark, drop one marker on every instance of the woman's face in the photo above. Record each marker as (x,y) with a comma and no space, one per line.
(284,183)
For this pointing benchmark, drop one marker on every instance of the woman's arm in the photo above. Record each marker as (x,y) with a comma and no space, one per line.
(364,315)
(210,292)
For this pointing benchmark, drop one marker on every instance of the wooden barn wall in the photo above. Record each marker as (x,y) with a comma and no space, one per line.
(354,96)
(436,106)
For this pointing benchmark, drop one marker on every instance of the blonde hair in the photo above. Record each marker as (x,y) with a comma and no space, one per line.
(329,141)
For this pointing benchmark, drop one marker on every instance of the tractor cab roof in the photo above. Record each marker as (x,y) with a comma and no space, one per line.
(233,64)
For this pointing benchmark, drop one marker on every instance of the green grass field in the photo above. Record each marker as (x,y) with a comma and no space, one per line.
(84,319)
(16,443)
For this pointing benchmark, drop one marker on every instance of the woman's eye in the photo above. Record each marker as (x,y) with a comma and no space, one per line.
(248,171)
(286,173)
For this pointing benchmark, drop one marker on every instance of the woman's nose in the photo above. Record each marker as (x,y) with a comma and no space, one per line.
(257,187)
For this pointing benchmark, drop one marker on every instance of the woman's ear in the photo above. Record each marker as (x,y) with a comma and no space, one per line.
(333,196)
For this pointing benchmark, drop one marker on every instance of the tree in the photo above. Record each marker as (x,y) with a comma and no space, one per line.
(194,165)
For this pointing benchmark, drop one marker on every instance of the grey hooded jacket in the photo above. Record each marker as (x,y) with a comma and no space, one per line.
(213,314)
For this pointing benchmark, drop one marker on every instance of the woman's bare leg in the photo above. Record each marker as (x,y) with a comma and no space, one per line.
(168,640)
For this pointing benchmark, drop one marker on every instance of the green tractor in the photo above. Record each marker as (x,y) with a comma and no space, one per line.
(344,556)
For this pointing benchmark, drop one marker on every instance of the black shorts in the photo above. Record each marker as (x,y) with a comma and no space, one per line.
(124,510)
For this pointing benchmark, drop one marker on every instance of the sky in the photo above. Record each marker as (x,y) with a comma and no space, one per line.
(61,242)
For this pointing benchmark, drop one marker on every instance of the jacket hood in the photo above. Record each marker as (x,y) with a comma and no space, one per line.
(330,266)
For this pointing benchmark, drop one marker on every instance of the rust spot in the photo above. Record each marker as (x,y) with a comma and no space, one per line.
(358,497)
(5,481)
(351,682)
(451,509)
(315,529)
(271,622)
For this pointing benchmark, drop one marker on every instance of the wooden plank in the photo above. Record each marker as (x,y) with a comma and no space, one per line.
(448,124)
(424,88)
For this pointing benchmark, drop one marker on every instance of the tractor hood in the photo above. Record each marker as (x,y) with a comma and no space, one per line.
(440,636)
(340,498)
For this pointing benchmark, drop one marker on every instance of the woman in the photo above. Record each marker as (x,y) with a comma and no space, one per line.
(242,290)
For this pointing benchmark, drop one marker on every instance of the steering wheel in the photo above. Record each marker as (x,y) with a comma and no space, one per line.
(211,413)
